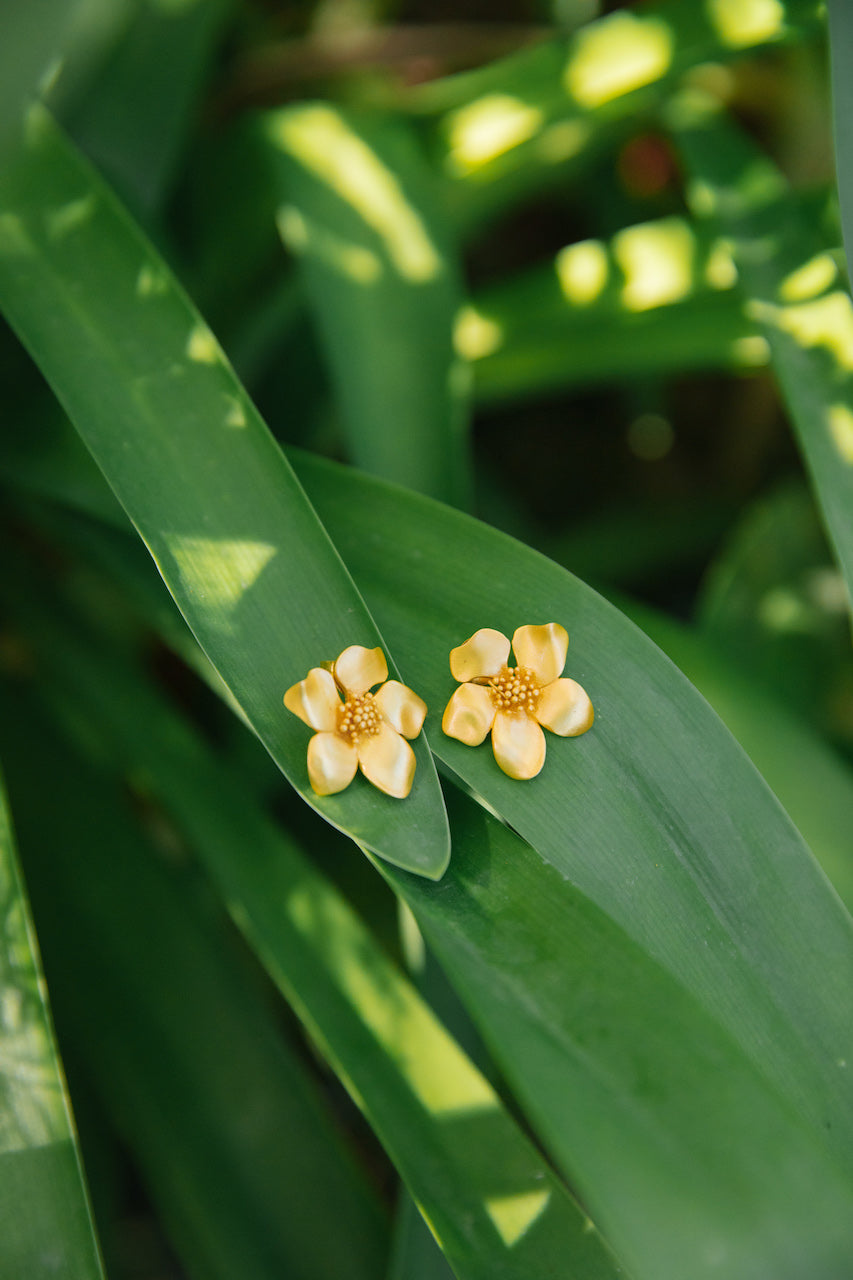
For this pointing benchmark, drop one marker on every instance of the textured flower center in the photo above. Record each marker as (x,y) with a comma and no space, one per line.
(515,689)
(358,718)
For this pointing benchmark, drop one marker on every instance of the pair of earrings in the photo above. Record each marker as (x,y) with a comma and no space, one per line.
(360,729)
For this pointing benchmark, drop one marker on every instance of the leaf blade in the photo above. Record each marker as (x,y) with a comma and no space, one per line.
(46,1214)
(203,480)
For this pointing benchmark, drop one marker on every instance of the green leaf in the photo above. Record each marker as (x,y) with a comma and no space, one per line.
(132,116)
(791,287)
(655,815)
(657,298)
(709,1009)
(229,1132)
(523,122)
(238,545)
(46,1228)
(497,1209)
(357,208)
(681,1153)
(813,782)
(775,601)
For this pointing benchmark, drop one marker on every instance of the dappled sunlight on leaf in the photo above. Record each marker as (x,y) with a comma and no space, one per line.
(582,270)
(487,128)
(438,1073)
(513,1216)
(320,139)
(839,419)
(826,323)
(745,22)
(304,236)
(476,335)
(32,1101)
(202,347)
(217,572)
(809,280)
(616,55)
(657,261)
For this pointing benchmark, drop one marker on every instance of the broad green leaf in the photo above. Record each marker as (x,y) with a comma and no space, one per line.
(681,1153)
(814,785)
(813,782)
(30,38)
(791,287)
(522,122)
(492,1202)
(416,1255)
(655,814)
(774,600)
(504,903)
(356,206)
(657,298)
(235,1146)
(46,1228)
(147,386)
(132,115)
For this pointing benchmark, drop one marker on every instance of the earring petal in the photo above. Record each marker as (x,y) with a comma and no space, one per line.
(483,655)
(359,669)
(469,714)
(315,699)
(564,708)
(332,763)
(401,707)
(388,762)
(542,650)
(518,744)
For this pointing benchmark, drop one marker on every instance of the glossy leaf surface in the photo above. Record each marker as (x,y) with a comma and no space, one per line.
(358,208)
(489,1197)
(232,534)
(46,1227)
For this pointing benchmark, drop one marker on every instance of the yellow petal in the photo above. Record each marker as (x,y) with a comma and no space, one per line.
(519,744)
(388,762)
(315,699)
(401,707)
(359,669)
(542,650)
(565,708)
(483,655)
(332,763)
(469,714)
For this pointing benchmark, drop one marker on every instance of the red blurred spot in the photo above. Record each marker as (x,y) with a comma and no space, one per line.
(646,165)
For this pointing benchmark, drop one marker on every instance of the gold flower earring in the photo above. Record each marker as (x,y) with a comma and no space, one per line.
(515,703)
(357,729)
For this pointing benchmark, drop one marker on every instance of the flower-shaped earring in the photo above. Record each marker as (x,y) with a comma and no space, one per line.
(513,702)
(357,729)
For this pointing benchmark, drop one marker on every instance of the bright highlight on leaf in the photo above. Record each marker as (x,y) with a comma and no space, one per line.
(353,261)
(582,270)
(441,1077)
(514,1215)
(321,140)
(218,572)
(475,335)
(827,322)
(812,278)
(840,420)
(657,261)
(616,55)
(743,22)
(357,729)
(487,128)
(515,703)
